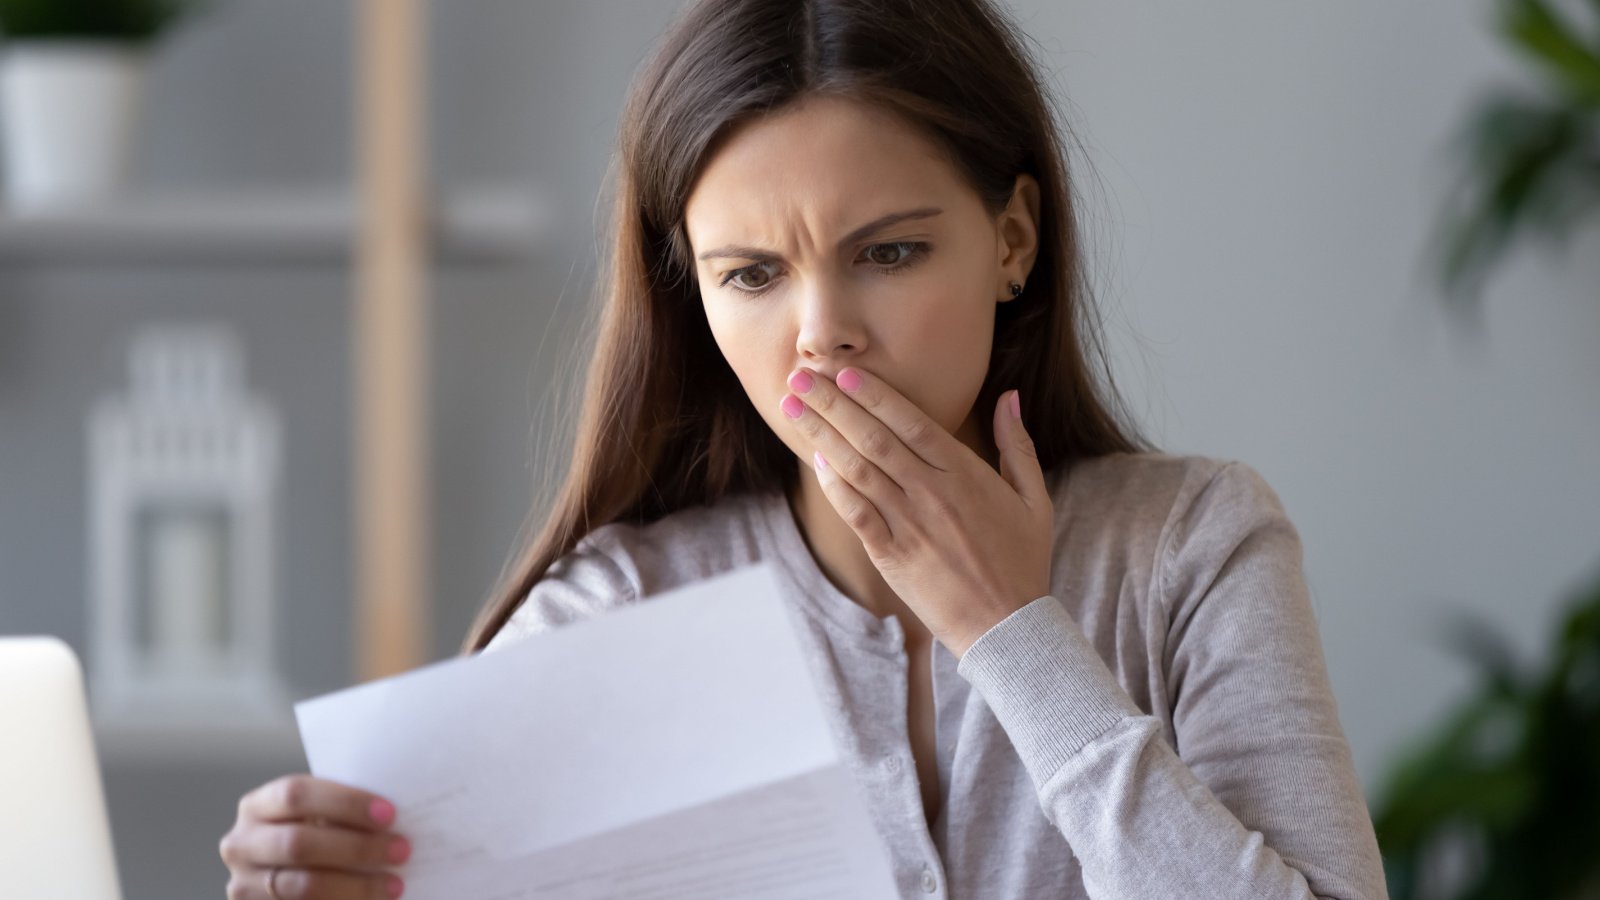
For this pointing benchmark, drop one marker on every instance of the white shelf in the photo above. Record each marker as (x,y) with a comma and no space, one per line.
(306,224)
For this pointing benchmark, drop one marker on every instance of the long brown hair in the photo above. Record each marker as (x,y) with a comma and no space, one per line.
(664,423)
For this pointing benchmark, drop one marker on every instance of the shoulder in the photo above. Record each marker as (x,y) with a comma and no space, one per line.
(1185,514)
(1162,479)
(620,563)
(1168,491)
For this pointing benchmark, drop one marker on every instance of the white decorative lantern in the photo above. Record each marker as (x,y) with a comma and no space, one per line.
(184,470)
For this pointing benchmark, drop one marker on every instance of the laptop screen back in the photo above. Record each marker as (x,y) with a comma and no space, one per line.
(55,836)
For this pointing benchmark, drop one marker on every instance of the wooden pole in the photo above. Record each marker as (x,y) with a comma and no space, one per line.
(389,333)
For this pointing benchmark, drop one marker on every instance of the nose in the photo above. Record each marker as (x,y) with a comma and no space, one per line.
(831,326)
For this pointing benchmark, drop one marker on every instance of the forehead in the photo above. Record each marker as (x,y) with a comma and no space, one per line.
(826,164)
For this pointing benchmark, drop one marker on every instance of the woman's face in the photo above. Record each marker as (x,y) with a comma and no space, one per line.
(833,234)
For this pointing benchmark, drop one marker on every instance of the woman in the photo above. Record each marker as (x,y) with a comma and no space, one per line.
(847,332)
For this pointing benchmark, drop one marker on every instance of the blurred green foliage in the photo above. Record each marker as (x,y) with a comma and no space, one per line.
(136,21)
(1503,799)
(1530,157)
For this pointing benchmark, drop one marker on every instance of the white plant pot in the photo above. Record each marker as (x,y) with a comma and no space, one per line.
(68,111)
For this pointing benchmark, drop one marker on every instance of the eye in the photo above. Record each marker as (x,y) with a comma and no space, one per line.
(896,256)
(889,258)
(749,286)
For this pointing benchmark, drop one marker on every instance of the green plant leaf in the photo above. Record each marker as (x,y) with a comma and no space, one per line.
(1465,770)
(1528,167)
(1516,767)
(1550,42)
(1474,639)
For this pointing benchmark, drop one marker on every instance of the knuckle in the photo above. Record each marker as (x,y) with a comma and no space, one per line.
(919,433)
(292,790)
(856,516)
(857,470)
(945,508)
(228,848)
(293,843)
(890,563)
(877,444)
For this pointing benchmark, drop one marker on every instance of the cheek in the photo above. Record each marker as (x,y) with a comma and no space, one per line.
(756,351)
(749,351)
(951,358)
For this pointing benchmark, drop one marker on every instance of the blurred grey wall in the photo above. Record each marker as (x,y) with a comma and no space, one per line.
(1256,185)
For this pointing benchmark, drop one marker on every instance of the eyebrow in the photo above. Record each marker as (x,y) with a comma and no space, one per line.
(876,225)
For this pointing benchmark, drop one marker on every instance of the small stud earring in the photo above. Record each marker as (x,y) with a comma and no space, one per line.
(1016,290)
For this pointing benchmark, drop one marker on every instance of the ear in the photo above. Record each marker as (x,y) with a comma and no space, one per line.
(1018,235)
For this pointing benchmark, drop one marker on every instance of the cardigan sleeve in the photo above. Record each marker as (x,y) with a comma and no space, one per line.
(1260,797)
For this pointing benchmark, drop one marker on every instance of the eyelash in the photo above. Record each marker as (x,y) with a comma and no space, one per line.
(918,250)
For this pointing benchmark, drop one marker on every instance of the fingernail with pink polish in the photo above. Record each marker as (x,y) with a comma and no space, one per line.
(382,811)
(399,849)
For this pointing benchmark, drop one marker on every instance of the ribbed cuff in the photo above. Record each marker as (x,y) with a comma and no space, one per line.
(1050,690)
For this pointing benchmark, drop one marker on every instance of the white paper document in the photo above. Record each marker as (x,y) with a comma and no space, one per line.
(674,748)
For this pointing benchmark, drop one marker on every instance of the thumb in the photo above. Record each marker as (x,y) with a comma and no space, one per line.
(1019,459)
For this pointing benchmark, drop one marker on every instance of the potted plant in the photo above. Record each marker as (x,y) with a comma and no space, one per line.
(71,82)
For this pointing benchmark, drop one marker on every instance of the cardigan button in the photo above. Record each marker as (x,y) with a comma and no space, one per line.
(929,883)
